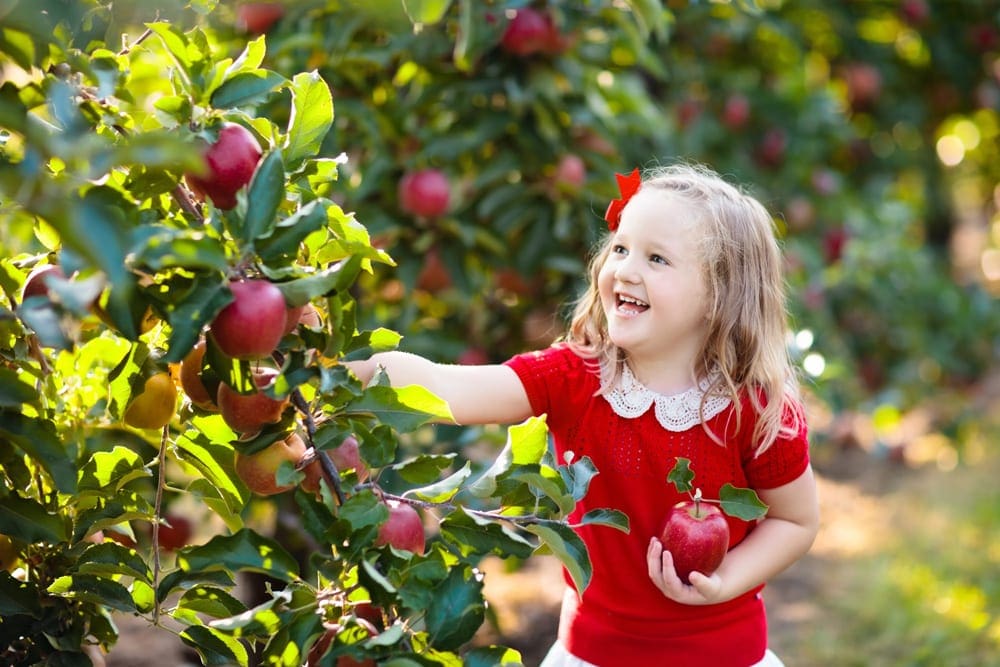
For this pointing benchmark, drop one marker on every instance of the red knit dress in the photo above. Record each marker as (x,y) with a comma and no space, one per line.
(623,620)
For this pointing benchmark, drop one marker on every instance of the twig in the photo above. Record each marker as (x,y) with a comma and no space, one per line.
(160,483)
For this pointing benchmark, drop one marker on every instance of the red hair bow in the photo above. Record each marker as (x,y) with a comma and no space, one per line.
(628,185)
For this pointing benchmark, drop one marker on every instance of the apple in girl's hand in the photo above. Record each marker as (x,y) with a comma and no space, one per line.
(403,529)
(252,325)
(230,163)
(697,536)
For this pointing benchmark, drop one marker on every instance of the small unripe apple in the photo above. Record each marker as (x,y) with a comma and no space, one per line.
(256,18)
(249,413)
(425,193)
(251,326)
(230,163)
(527,33)
(258,470)
(697,536)
(191,382)
(403,529)
(37,282)
(153,408)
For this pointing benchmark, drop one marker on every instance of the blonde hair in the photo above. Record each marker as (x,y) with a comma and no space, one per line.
(744,352)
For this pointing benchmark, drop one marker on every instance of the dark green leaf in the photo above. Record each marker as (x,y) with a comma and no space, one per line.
(681,475)
(424,468)
(109,559)
(172,248)
(330,280)
(266,192)
(290,232)
(492,656)
(27,520)
(214,647)
(567,546)
(14,392)
(94,589)
(243,551)
(181,579)
(402,408)
(457,610)
(473,534)
(444,489)
(742,503)
(578,475)
(18,597)
(606,517)
(246,88)
(118,467)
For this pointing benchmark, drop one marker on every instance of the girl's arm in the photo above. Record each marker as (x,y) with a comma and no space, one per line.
(781,538)
(489,394)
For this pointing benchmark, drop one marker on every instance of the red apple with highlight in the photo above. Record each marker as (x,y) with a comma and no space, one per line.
(530,31)
(230,163)
(251,326)
(258,470)
(697,536)
(404,528)
(249,413)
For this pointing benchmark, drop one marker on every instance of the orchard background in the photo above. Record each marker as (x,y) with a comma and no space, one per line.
(432,175)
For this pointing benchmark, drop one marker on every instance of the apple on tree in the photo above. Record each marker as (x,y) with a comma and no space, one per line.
(192,382)
(425,193)
(37,282)
(251,326)
(531,31)
(153,408)
(345,456)
(230,163)
(404,528)
(175,532)
(249,413)
(256,18)
(306,314)
(258,470)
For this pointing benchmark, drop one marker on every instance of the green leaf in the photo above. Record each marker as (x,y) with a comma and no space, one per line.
(403,408)
(474,534)
(182,579)
(260,621)
(681,475)
(243,551)
(330,280)
(118,467)
(267,191)
(567,546)
(246,88)
(424,468)
(175,42)
(215,461)
(457,610)
(492,656)
(175,248)
(444,489)
(211,601)
(312,116)
(38,438)
(27,520)
(109,559)
(426,11)
(606,517)
(94,589)
(18,597)
(290,232)
(214,647)
(14,392)
(742,503)
(526,445)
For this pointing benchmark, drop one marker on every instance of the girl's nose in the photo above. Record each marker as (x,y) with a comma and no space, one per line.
(626,271)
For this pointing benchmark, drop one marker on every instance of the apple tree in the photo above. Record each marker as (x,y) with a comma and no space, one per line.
(180,280)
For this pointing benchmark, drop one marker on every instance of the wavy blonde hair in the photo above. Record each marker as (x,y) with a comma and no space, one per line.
(745,351)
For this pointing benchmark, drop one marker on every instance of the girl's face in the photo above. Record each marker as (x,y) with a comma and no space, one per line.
(652,286)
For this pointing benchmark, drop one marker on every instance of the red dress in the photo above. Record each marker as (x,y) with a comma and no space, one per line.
(623,620)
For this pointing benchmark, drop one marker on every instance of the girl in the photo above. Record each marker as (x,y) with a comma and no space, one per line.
(677,349)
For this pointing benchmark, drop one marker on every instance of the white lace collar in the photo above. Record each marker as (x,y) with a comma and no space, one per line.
(678,412)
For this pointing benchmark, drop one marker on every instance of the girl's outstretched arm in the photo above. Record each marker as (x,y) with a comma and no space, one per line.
(781,538)
(487,394)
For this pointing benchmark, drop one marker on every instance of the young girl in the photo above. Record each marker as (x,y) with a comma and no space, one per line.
(677,349)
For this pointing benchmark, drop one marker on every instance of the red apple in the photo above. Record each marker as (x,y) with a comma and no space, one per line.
(403,529)
(571,174)
(434,275)
(426,193)
(229,165)
(834,241)
(864,85)
(322,645)
(248,413)
(915,12)
(307,315)
(771,150)
(345,456)
(252,325)
(258,470)
(697,536)
(37,282)
(256,18)
(175,533)
(530,31)
(736,111)
(191,382)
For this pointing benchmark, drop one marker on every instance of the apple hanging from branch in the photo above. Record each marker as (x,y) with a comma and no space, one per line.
(695,531)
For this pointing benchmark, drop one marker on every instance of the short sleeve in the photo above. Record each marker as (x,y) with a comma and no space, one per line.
(784,460)
(554,379)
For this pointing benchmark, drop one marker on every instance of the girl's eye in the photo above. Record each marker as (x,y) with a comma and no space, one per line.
(658,259)
(619,250)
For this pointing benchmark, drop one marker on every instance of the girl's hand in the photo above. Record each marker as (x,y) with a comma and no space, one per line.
(702,589)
